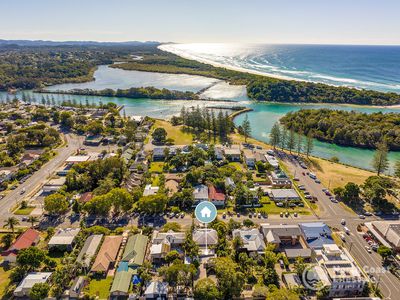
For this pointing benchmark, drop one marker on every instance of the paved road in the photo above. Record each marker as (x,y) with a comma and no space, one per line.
(73,142)
(332,214)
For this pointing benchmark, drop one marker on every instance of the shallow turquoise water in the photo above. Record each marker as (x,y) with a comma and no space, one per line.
(261,119)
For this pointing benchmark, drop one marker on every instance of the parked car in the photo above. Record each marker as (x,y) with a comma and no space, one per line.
(362,217)
(343,222)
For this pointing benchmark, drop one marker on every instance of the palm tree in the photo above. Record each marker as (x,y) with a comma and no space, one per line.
(10,223)
(32,220)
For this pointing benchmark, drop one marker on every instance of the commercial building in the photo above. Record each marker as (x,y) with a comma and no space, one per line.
(387,232)
(345,278)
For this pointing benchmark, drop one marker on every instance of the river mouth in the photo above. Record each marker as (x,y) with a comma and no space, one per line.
(263,116)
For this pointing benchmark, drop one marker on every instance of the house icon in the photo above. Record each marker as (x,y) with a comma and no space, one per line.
(205,212)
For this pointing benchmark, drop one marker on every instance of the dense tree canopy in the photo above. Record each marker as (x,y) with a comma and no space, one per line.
(348,128)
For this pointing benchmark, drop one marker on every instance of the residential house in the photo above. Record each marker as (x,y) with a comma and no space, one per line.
(85,197)
(164,242)
(89,249)
(216,196)
(156,290)
(253,240)
(135,250)
(249,158)
(63,239)
(120,285)
(200,193)
(7,173)
(25,240)
(282,234)
(127,155)
(158,153)
(292,280)
(76,290)
(76,159)
(107,255)
(280,179)
(29,281)
(272,161)
(229,182)
(219,153)
(281,195)
(137,119)
(172,186)
(232,154)
(150,190)
(316,234)
(293,253)
(93,140)
(54,185)
(28,158)
(205,237)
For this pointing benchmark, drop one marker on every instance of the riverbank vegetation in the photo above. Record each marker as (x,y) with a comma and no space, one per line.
(261,88)
(133,93)
(347,128)
(29,67)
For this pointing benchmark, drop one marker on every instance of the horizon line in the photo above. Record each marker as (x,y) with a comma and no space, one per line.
(170,42)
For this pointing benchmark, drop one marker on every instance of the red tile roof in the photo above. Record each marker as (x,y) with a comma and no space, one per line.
(215,194)
(86,197)
(25,240)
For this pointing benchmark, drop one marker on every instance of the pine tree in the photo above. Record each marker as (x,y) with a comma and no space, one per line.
(246,127)
(397,169)
(291,143)
(275,135)
(299,143)
(284,137)
(309,143)
(380,162)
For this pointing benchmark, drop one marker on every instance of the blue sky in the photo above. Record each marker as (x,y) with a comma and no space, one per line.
(259,21)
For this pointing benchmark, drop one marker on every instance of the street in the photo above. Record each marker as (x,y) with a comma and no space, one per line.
(31,185)
(332,214)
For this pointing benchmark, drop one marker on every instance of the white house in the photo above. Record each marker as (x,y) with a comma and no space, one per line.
(253,240)
(249,158)
(29,281)
(150,190)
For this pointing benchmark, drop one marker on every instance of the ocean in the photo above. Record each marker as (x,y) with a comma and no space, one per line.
(366,67)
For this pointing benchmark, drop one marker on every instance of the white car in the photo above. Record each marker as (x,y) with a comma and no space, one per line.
(368,249)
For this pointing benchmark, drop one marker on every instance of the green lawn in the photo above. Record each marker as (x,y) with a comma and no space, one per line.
(175,133)
(24,211)
(270,207)
(100,287)
(4,280)
(156,167)
(238,166)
